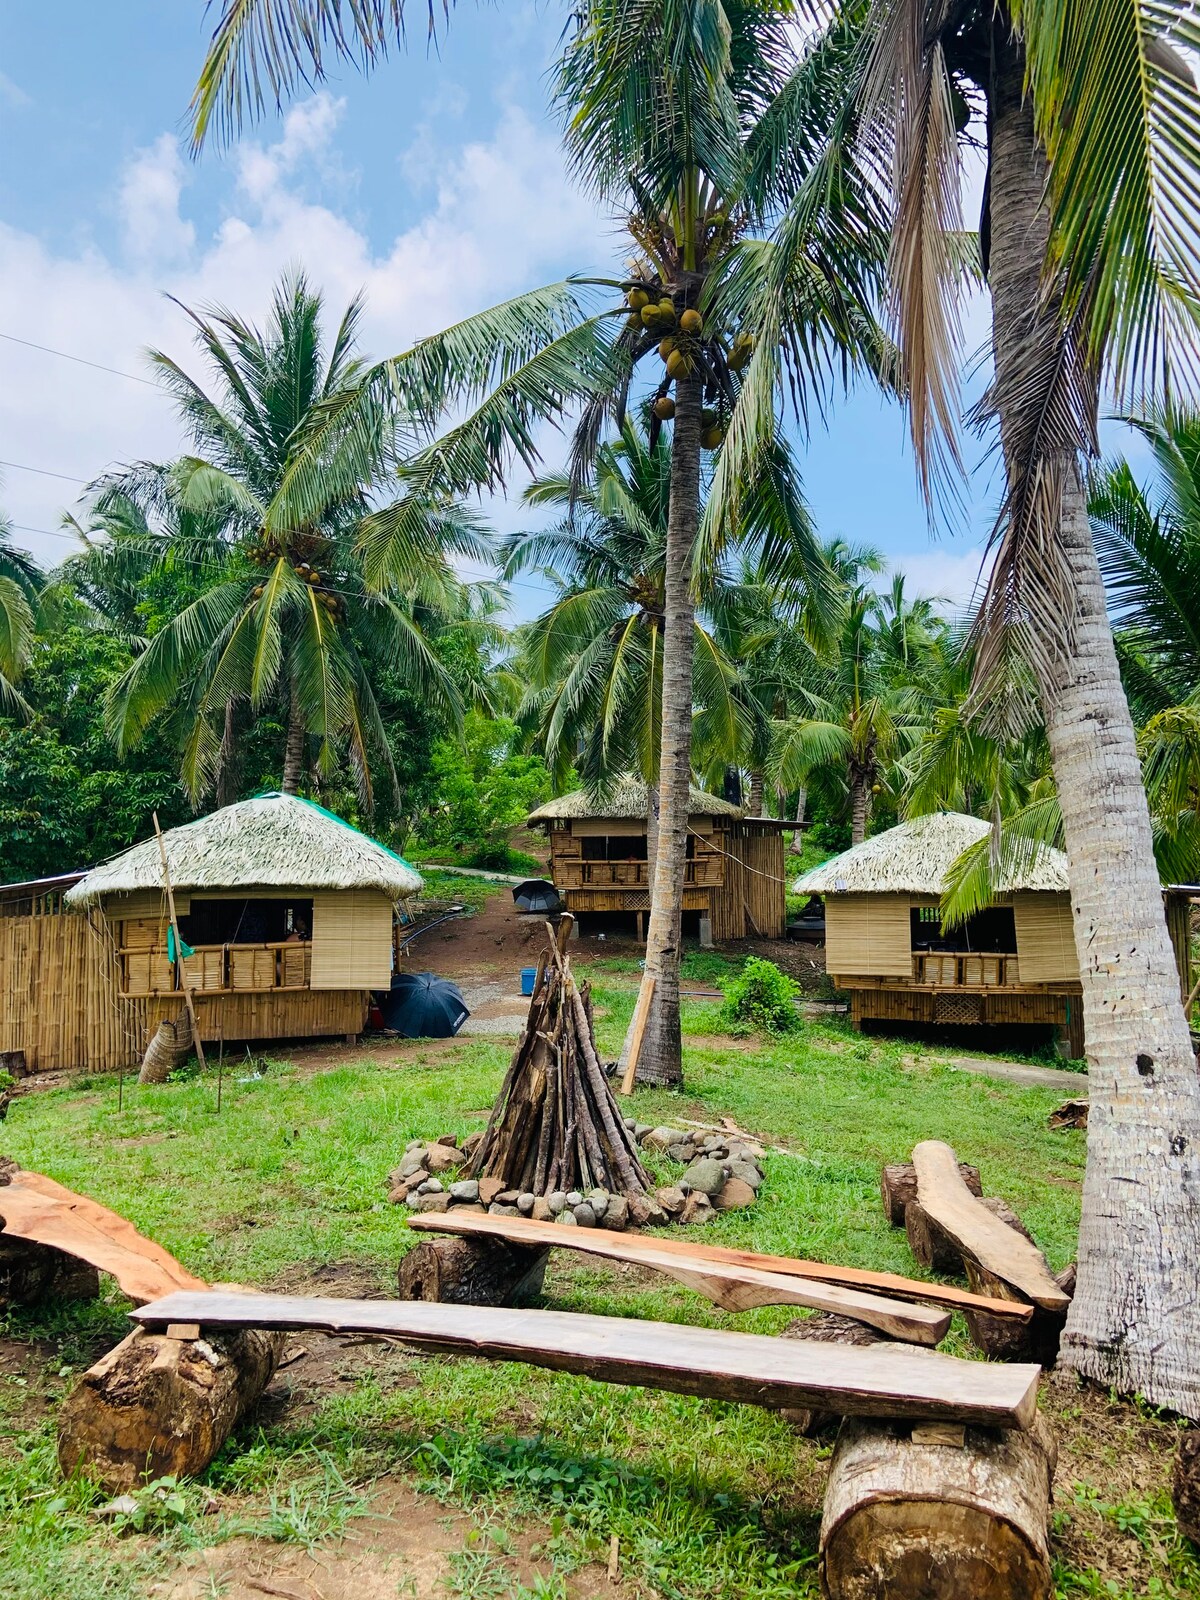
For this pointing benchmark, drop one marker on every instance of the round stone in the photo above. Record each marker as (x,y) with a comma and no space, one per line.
(568,1218)
(574,1198)
(557,1202)
(525,1204)
(465,1189)
(585,1216)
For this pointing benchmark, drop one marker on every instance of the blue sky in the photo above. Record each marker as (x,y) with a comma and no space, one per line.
(436,184)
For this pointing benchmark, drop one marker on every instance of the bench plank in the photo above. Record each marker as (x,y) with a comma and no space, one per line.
(733,1288)
(880,1381)
(636,1247)
(978,1233)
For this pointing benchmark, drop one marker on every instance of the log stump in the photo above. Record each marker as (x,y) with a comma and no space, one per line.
(827,1327)
(1185,1485)
(908,1518)
(1001,1338)
(31,1272)
(472,1272)
(158,1406)
(898,1186)
(933,1248)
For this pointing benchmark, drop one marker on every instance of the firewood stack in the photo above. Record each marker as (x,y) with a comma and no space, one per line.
(555,1125)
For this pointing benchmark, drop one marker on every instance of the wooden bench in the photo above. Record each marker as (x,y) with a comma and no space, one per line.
(736,1280)
(881,1381)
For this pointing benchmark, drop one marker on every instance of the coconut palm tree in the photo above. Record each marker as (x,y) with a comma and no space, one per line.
(593,662)
(674,111)
(281,544)
(1090,247)
(20,580)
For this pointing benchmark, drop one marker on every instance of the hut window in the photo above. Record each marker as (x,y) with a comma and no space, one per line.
(248,921)
(615,847)
(990,932)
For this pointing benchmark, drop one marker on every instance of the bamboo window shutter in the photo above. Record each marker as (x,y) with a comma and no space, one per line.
(351,939)
(1045,938)
(868,935)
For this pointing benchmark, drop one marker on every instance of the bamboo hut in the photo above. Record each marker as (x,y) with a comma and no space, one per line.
(598,860)
(287,911)
(1014,962)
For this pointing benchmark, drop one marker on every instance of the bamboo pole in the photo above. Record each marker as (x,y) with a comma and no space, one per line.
(639,1028)
(184,975)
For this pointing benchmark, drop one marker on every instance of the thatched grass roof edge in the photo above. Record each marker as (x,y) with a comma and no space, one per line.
(916,857)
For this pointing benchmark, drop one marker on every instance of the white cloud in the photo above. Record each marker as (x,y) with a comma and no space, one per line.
(939,573)
(148,205)
(12,93)
(503,217)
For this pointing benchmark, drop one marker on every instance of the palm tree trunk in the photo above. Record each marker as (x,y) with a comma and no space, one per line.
(1134,1323)
(227,769)
(661,1055)
(293,758)
(801,808)
(860,808)
(757,791)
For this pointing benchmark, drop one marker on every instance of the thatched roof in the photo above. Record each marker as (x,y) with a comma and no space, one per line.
(916,857)
(627,798)
(274,841)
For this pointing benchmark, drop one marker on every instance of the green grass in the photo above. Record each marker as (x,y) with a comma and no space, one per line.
(707,1499)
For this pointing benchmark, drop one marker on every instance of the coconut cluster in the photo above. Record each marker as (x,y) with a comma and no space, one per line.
(261,556)
(686,349)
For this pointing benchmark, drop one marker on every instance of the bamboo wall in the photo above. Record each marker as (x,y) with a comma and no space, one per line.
(60,1001)
(750,903)
(351,939)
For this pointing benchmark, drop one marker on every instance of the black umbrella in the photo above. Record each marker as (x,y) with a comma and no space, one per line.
(537,894)
(420,1005)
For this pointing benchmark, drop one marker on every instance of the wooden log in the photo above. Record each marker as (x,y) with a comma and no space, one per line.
(470,1272)
(520,1229)
(825,1328)
(733,1288)
(32,1272)
(1037,1340)
(981,1236)
(898,1185)
(933,1246)
(744,1367)
(1185,1485)
(910,1518)
(157,1406)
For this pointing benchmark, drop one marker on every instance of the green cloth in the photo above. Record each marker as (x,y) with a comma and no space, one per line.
(183,945)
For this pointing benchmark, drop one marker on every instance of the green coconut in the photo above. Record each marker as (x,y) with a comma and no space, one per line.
(664,408)
(691,322)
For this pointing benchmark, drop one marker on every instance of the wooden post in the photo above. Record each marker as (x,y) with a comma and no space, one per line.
(184,976)
(639,1028)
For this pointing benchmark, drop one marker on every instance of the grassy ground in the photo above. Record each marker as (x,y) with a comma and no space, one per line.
(284,1189)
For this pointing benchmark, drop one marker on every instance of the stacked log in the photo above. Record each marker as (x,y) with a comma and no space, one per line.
(556,1126)
(934,1512)
(161,1405)
(950,1227)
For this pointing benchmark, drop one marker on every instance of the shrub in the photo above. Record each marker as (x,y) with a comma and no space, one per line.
(761,997)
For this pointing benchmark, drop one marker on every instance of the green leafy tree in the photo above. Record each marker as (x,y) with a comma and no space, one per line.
(675,111)
(486,786)
(1090,246)
(19,583)
(66,800)
(294,612)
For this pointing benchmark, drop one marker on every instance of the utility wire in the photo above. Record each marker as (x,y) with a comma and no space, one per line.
(42,472)
(79,360)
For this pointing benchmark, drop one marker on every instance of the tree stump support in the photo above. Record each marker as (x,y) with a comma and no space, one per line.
(31,1272)
(157,1406)
(472,1272)
(920,1513)
(898,1186)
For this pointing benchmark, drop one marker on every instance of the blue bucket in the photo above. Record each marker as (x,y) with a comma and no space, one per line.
(528,974)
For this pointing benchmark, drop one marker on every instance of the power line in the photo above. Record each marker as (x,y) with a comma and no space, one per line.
(81,361)
(42,472)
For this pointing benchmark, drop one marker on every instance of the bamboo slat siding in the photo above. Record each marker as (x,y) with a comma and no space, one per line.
(868,935)
(60,999)
(351,939)
(1045,938)
(58,996)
